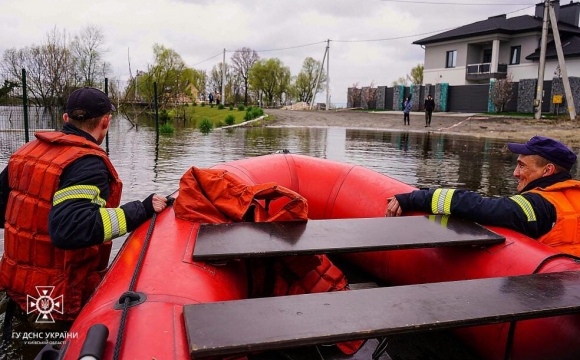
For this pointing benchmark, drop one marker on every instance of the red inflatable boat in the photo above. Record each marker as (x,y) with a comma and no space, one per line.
(155,329)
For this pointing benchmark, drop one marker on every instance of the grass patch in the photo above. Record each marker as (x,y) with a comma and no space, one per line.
(206,126)
(230,120)
(213,114)
(519,114)
(167,128)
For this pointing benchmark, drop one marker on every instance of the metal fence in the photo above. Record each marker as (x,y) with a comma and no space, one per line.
(19,117)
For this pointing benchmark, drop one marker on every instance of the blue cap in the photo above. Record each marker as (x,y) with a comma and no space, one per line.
(92,101)
(550,149)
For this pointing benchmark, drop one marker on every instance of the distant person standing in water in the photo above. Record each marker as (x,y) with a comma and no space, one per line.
(429,107)
(407,105)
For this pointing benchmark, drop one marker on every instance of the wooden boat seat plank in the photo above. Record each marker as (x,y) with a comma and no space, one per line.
(233,327)
(247,240)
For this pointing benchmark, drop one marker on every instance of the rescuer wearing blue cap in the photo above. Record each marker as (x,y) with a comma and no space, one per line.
(59,205)
(547,207)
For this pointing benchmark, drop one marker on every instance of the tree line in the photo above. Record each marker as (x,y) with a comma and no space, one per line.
(63,62)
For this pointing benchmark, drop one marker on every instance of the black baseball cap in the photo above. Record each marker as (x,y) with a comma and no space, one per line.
(92,101)
(550,149)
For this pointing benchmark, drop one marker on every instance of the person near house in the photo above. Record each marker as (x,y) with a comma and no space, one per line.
(218,98)
(211,98)
(59,205)
(547,207)
(429,107)
(407,105)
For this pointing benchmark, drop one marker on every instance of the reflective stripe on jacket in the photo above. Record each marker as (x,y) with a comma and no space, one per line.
(565,235)
(30,260)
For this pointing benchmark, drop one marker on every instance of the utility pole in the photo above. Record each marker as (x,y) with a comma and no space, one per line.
(224,79)
(318,78)
(327,74)
(562,63)
(542,66)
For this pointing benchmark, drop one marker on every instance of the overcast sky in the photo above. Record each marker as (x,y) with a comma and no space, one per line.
(198,29)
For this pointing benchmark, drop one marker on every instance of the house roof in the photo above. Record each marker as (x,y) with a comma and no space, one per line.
(570,47)
(496,24)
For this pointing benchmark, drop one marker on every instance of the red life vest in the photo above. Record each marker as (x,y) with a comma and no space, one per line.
(29,258)
(565,235)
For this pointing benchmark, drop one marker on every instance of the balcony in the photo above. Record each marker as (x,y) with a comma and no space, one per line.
(482,71)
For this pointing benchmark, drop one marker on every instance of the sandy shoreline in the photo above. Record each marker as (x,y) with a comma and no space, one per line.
(566,131)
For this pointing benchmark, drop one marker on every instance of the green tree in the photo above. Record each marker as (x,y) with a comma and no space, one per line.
(271,78)
(171,75)
(416,75)
(306,80)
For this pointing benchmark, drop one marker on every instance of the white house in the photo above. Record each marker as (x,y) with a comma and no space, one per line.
(493,48)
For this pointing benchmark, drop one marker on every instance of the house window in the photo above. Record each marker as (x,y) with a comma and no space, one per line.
(515,55)
(451,59)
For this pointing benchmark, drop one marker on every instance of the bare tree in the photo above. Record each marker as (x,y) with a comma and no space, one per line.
(502,93)
(369,95)
(50,70)
(243,60)
(216,79)
(354,94)
(87,48)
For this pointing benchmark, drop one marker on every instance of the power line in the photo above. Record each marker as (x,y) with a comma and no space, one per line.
(454,3)
(280,49)
(207,59)
(421,34)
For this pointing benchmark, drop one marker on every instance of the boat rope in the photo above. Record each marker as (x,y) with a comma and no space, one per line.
(512,329)
(127,296)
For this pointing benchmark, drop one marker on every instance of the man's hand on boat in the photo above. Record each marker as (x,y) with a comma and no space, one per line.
(393,209)
(159,203)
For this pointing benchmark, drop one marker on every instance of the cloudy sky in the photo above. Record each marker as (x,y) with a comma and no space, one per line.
(199,29)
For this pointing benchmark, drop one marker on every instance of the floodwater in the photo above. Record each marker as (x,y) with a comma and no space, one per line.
(420,159)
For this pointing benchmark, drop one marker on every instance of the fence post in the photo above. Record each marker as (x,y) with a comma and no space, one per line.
(156,109)
(107,135)
(25,105)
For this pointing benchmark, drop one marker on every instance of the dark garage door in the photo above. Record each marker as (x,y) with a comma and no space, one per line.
(468,98)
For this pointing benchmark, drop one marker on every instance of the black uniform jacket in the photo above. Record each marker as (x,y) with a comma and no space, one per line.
(528,213)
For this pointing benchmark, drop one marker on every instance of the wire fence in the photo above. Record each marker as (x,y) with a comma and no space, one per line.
(19,118)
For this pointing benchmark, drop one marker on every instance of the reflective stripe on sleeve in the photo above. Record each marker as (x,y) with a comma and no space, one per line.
(526,207)
(441,202)
(88,192)
(114,223)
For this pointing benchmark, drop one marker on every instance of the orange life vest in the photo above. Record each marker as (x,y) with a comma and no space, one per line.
(565,235)
(29,258)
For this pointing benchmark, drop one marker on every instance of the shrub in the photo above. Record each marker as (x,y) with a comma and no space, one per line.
(230,120)
(166,129)
(194,103)
(260,111)
(248,116)
(187,104)
(256,113)
(231,108)
(164,116)
(203,103)
(211,105)
(205,126)
(221,106)
(249,108)
(241,107)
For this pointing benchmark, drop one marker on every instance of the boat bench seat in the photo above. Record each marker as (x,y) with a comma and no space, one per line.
(219,242)
(235,327)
